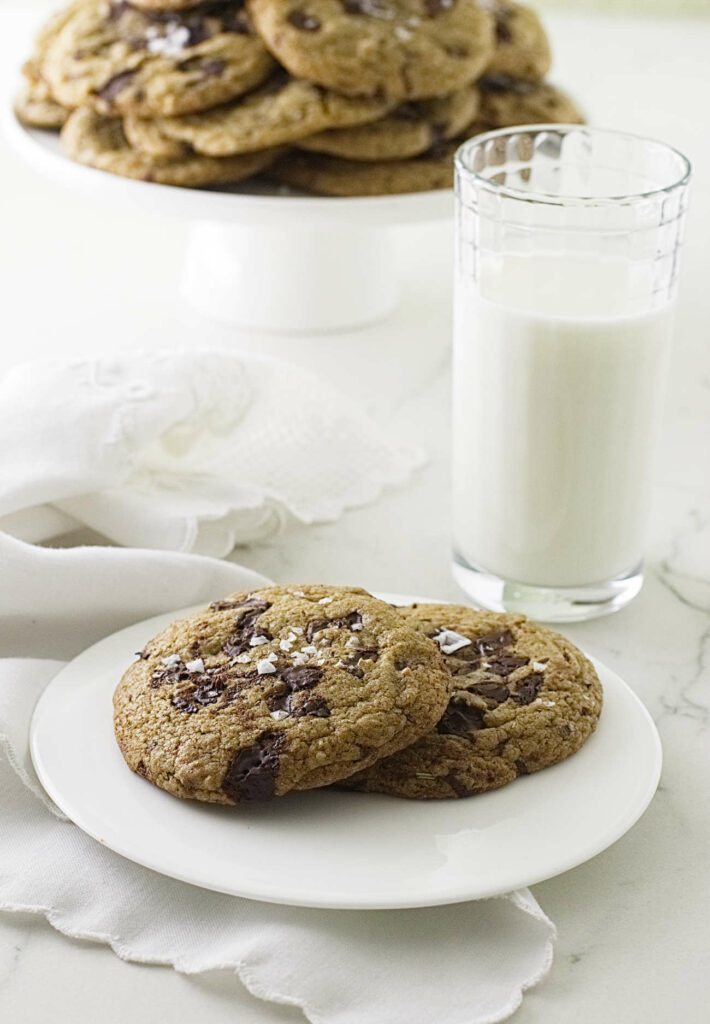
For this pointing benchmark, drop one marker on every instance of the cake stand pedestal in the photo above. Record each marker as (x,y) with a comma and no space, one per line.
(259,258)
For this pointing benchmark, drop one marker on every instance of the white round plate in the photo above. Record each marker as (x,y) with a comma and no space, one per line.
(237,204)
(352,850)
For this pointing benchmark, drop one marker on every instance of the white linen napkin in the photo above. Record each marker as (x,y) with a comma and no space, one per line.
(187,451)
(463,964)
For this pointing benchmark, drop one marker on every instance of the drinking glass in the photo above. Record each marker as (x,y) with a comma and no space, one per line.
(567,248)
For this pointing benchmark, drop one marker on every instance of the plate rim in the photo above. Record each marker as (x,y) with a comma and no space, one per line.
(348,901)
(35,146)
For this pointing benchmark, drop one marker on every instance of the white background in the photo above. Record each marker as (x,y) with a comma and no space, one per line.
(80,278)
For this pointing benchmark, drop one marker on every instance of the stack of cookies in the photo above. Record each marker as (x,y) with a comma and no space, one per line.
(295,688)
(337,97)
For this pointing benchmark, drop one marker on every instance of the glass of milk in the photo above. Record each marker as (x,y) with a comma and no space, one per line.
(568,241)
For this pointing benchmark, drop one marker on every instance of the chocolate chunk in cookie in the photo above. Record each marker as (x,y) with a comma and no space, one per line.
(254,696)
(117,59)
(399,49)
(523,698)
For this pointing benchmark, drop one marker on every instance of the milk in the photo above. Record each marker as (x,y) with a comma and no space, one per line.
(556,409)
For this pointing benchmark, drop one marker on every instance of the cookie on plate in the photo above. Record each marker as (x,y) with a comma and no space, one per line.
(506,102)
(523,698)
(332,176)
(522,47)
(113,57)
(144,135)
(165,5)
(281,112)
(95,140)
(400,49)
(411,129)
(285,688)
(34,105)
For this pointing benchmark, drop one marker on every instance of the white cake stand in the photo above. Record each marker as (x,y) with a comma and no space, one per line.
(258,258)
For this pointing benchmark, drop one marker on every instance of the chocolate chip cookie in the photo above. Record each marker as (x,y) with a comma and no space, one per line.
(410,130)
(165,5)
(117,59)
(34,105)
(506,102)
(522,49)
(400,49)
(331,176)
(523,698)
(281,112)
(95,140)
(286,688)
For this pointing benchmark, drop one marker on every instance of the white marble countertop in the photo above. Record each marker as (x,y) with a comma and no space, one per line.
(634,933)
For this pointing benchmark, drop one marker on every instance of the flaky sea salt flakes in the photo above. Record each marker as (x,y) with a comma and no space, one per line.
(539,666)
(356,627)
(285,645)
(172,43)
(403,33)
(171,660)
(377,9)
(278,715)
(298,630)
(310,649)
(197,665)
(243,659)
(449,641)
(265,667)
(300,658)
(272,657)
(326,600)
(298,593)
(352,641)
(258,641)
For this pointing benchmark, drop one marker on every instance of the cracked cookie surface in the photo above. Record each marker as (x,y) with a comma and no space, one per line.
(506,102)
(523,698)
(399,49)
(113,57)
(411,129)
(522,49)
(332,176)
(100,142)
(284,688)
(166,5)
(34,104)
(281,112)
